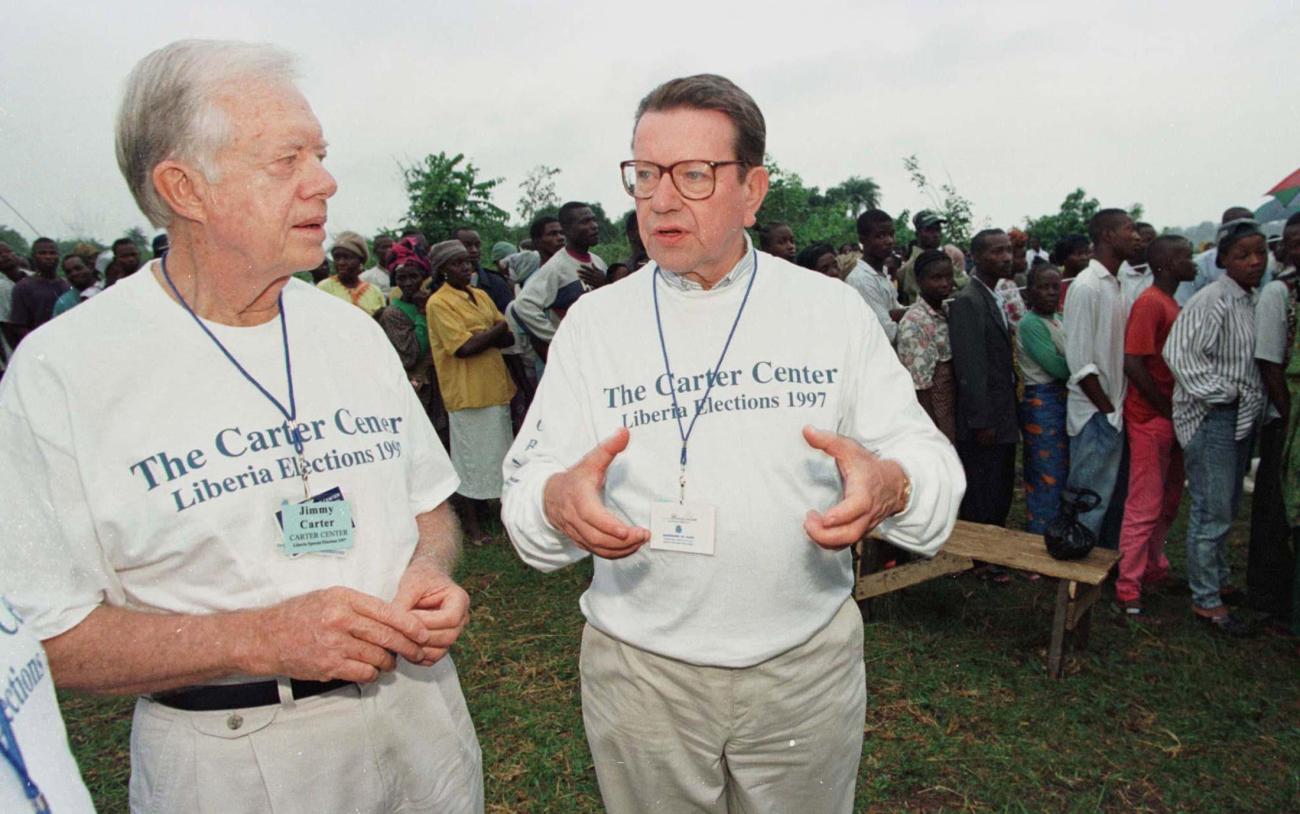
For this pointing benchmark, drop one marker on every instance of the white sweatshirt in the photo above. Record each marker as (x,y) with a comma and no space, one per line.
(803,353)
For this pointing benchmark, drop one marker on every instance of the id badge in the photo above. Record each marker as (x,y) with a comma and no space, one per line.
(684,527)
(321,525)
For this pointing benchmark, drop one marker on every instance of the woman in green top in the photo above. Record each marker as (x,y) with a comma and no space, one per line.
(1040,349)
(408,329)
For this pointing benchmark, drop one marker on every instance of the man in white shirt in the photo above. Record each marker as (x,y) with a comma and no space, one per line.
(1094,323)
(263,552)
(869,278)
(722,660)
(45,778)
(1135,275)
(377,275)
(10,274)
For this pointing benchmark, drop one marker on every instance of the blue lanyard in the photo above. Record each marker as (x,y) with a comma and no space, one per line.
(290,414)
(14,757)
(685,430)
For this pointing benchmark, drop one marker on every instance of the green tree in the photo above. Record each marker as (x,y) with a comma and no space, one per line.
(537,193)
(904,234)
(951,205)
(812,216)
(15,240)
(1072,218)
(855,192)
(445,191)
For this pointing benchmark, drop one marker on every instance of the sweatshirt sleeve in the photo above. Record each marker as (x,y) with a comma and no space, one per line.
(556,434)
(536,296)
(1036,339)
(881,413)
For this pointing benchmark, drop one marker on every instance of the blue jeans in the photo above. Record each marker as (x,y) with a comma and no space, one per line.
(1095,457)
(1216,464)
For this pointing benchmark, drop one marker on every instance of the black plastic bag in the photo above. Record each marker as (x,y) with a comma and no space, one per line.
(1066,537)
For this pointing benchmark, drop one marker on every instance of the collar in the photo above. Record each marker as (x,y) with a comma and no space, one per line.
(941,314)
(585,257)
(1234,289)
(1097,270)
(738,272)
(992,290)
(872,269)
(1134,271)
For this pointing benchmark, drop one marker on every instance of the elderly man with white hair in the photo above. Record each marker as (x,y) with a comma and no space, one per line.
(259,544)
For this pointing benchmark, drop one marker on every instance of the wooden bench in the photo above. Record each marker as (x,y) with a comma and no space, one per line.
(1079,581)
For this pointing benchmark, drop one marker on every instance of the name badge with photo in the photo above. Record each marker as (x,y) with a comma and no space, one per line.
(684,527)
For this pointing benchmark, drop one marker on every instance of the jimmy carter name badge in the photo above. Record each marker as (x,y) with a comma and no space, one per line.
(321,525)
(686,527)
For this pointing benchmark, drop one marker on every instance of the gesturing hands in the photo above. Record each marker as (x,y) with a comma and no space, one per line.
(874,488)
(573,504)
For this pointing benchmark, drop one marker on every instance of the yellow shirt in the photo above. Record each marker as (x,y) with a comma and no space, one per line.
(480,380)
(365,296)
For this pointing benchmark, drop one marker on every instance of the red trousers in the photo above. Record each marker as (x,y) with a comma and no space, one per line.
(1155,488)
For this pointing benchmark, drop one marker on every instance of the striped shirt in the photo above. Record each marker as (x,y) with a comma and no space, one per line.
(1211,352)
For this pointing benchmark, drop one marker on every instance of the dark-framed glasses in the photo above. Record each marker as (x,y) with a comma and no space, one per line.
(695,180)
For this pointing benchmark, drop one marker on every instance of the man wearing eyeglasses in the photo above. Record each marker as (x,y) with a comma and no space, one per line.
(717,432)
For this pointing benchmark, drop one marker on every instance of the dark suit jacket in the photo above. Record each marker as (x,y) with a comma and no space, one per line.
(981,361)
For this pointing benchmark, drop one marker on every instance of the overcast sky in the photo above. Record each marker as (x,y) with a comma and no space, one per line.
(1186,111)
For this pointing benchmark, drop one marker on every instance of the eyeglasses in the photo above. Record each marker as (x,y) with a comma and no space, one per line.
(695,180)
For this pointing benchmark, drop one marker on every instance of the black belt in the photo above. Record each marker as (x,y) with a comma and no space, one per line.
(241,696)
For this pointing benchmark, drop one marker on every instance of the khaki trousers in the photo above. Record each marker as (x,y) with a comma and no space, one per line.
(402,744)
(781,737)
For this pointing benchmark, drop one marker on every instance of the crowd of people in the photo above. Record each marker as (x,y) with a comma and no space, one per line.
(1122,364)
(188,559)
(1002,355)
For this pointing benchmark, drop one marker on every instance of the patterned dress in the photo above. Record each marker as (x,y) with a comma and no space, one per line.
(1040,350)
(926,351)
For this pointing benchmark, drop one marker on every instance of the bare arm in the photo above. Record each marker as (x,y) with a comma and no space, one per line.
(498,336)
(1275,385)
(1091,387)
(327,634)
(1138,374)
(427,589)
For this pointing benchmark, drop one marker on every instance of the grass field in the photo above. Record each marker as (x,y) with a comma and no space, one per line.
(961,717)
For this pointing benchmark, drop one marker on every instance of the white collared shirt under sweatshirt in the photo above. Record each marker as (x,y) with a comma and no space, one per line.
(768,587)
(1094,323)
(878,292)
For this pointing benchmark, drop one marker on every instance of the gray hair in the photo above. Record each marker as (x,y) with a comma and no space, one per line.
(712,92)
(169,109)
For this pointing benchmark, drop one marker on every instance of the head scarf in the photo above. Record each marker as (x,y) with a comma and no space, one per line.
(502,250)
(403,255)
(440,254)
(523,264)
(354,243)
(1019,240)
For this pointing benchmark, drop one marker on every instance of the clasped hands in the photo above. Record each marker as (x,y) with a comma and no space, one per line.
(874,489)
(341,633)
